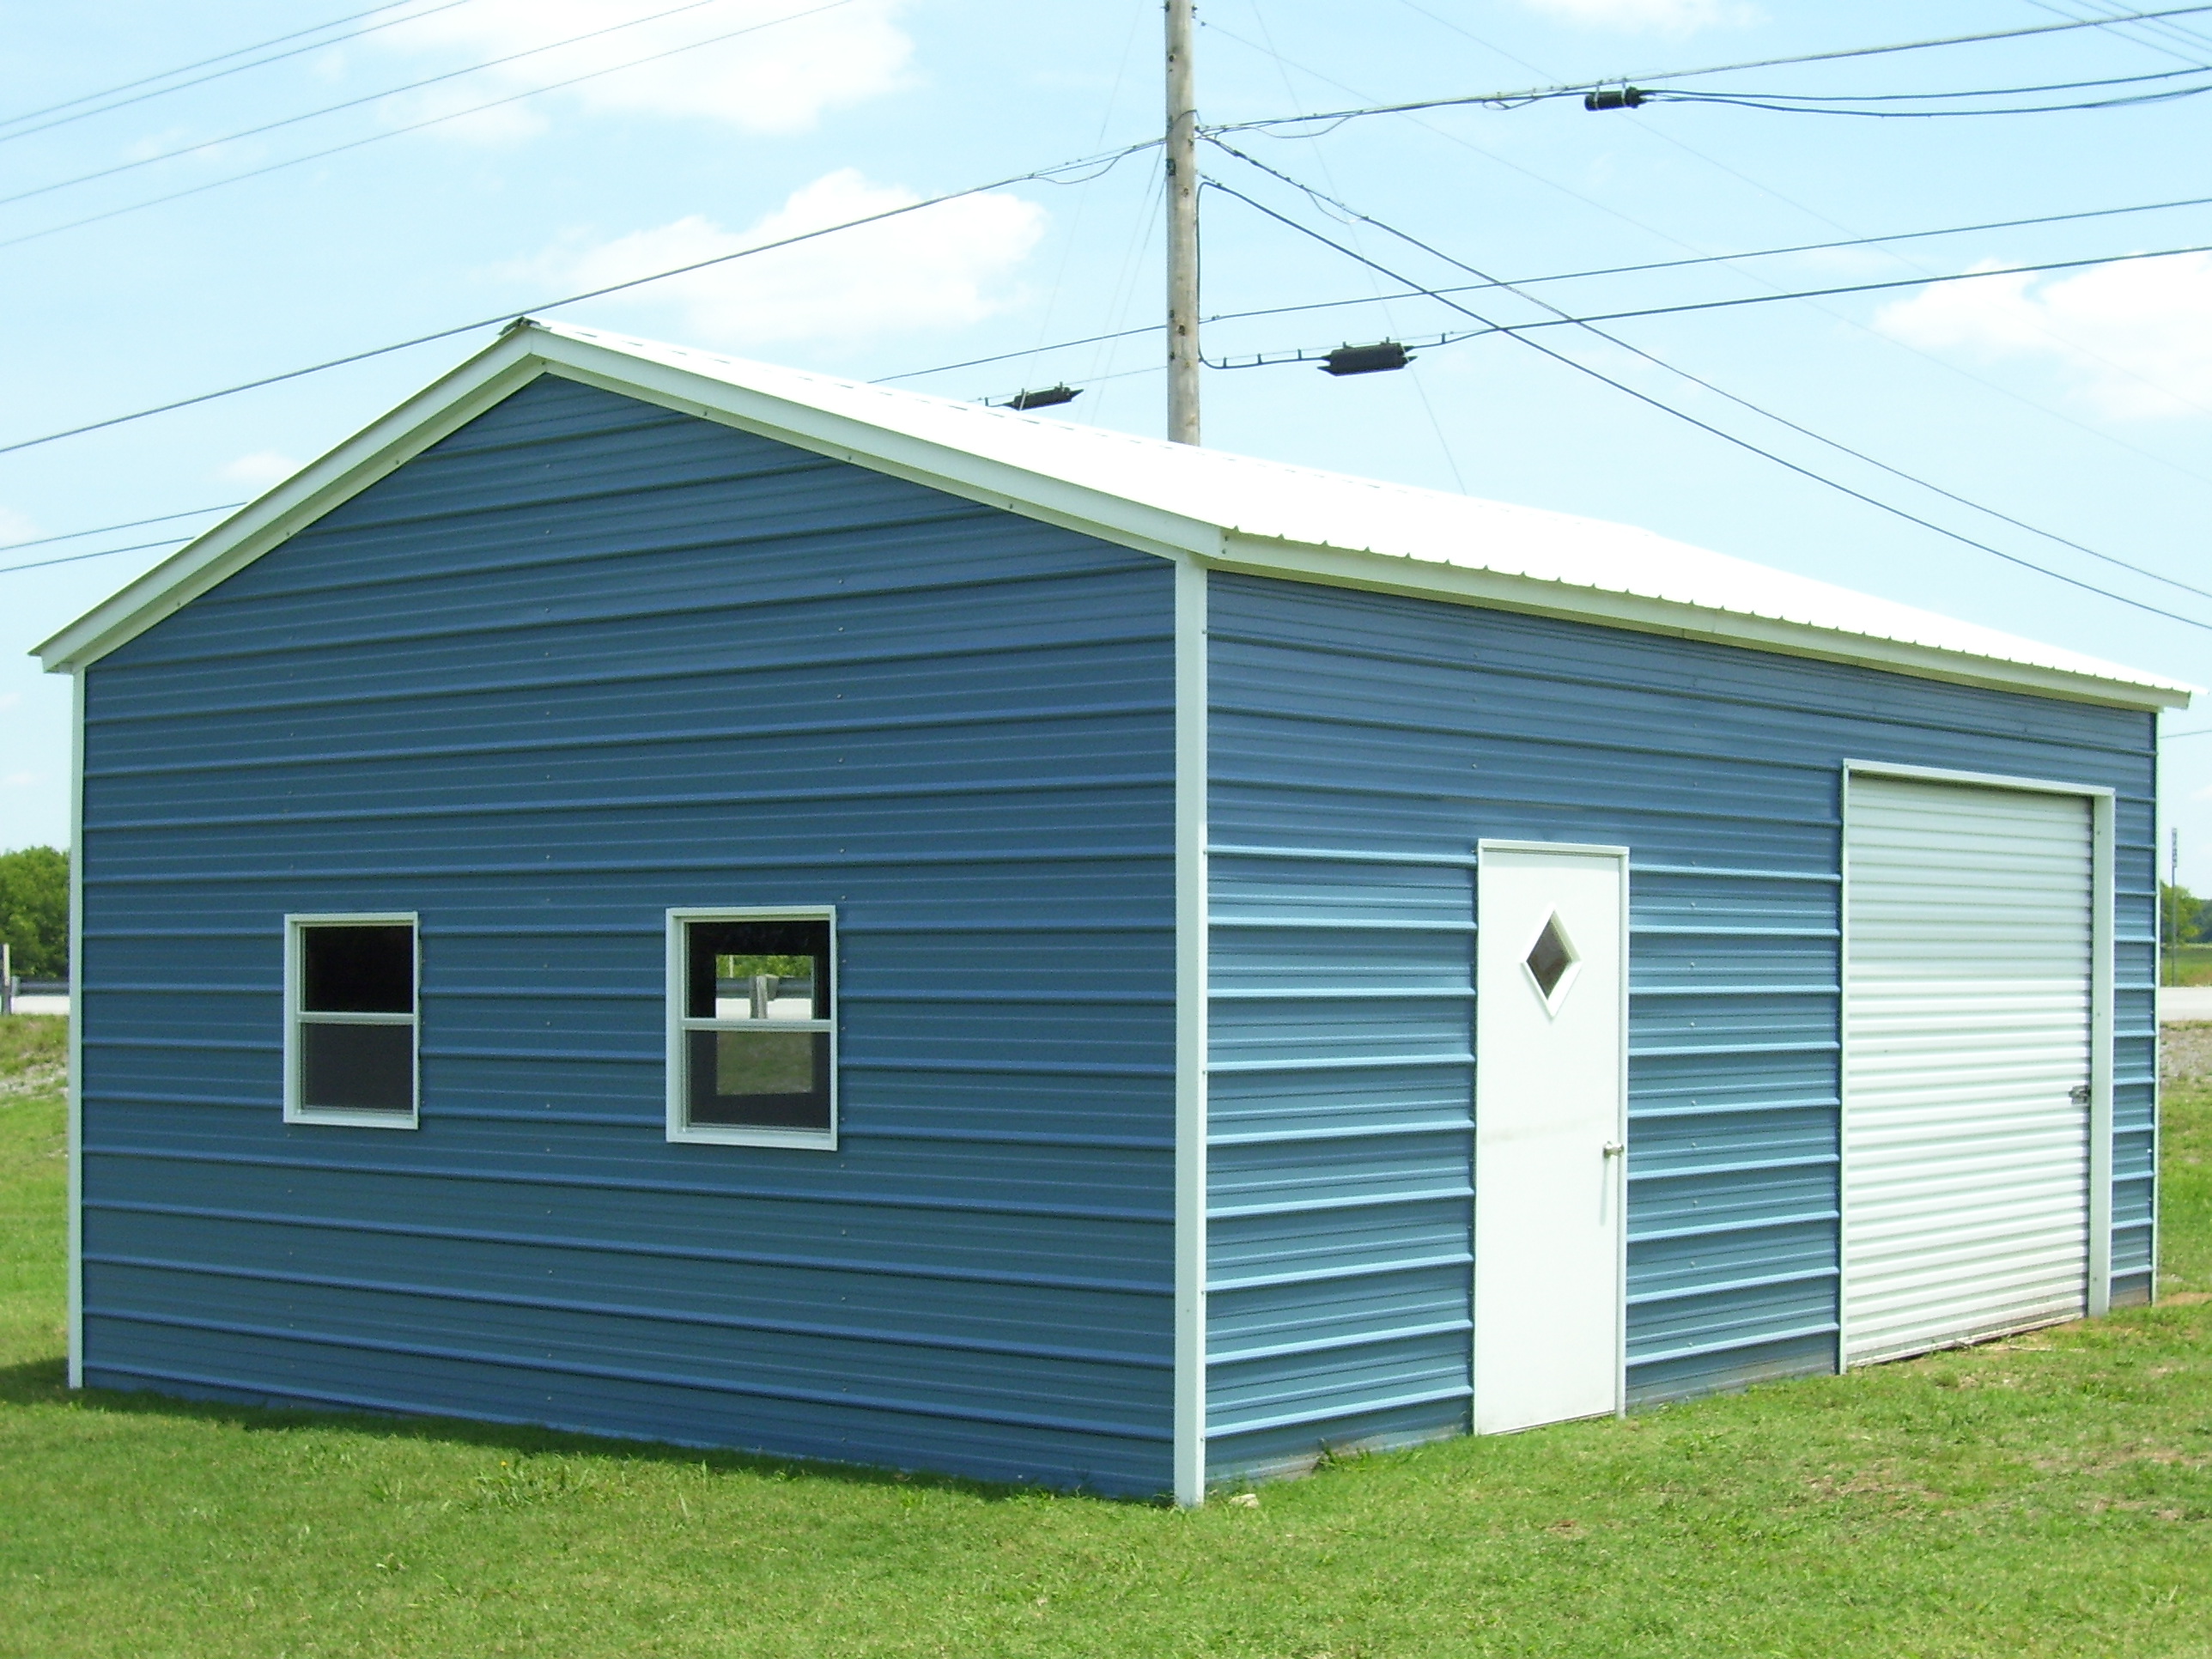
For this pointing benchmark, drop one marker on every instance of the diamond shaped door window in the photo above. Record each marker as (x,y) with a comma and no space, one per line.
(1549,959)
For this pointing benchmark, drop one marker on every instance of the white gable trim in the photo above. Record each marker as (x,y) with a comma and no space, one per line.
(530,349)
(435,412)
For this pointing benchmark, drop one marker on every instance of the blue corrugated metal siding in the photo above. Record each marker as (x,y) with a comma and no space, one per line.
(583,661)
(1361,745)
(2134,1058)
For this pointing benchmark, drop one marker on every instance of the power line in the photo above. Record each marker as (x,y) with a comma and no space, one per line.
(1409,292)
(411,126)
(1537,94)
(1744,403)
(376,97)
(1101,162)
(128,524)
(1705,426)
(2100,435)
(2159,34)
(78,558)
(1980,92)
(186,68)
(217,75)
(1562,317)
(1863,241)
(1733,101)
(1406,292)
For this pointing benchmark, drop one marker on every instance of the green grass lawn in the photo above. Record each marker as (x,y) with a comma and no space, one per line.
(2185,965)
(2048,1495)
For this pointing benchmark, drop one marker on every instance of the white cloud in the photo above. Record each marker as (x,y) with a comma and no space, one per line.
(16,526)
(23,779)
(9,699)
(259,470)
(781,78)
(943,267)
(1647,17)
(2134,340)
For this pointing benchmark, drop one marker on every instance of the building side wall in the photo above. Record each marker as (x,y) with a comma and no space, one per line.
(582,661)
(1361,745)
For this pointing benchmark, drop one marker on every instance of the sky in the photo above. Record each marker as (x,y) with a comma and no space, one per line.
(407,170)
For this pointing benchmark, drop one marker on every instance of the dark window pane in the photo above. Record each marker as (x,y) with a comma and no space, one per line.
(760,1079)
(1551,956)
(357,970)
(764,970)
(357,1068)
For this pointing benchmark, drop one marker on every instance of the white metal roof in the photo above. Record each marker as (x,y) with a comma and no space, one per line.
(1233,511)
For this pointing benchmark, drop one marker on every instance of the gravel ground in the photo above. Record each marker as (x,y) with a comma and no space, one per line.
(2184,1053)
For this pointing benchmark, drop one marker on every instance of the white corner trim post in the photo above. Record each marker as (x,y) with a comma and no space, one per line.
(77,1033)
(1190,1030)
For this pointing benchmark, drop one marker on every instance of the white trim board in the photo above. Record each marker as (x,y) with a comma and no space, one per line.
(1170,500)
(1192,946)
(76,1013)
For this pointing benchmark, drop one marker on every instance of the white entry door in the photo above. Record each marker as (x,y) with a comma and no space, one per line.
(1550,1124)
(1967,980)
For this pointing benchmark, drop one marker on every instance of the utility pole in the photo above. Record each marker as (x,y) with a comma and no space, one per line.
(1182,228)
(2172,908)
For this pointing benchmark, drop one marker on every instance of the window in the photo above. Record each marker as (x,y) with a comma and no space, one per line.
(752,1027)
(1549,963)
(350,1020)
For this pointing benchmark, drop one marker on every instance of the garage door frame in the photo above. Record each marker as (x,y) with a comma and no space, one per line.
(2098,1297)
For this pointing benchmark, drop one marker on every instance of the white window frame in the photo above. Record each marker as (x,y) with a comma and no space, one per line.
(295,1017)
(680,1127)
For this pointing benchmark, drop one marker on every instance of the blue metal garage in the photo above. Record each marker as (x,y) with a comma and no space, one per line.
(657,895)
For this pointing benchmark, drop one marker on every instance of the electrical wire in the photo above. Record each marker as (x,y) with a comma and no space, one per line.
(128,524)
(1945,364)
(1843,448)
(1100,162)
(378,97)
(1705,426)
(1856,241)
(1982,92)
(1538,95)
(217,75)
(2159,33)
(1562,319)
(77,558)
(1732,101)
(186,68)
(411,126)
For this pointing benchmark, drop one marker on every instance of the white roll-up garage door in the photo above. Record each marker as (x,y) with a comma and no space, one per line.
(1967,1062)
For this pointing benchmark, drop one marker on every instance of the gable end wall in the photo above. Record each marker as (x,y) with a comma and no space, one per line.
(581,661)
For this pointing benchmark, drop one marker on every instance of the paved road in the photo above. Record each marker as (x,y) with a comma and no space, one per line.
(2181,1004)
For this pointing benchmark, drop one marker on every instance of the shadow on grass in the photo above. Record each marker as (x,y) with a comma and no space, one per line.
(45,1382)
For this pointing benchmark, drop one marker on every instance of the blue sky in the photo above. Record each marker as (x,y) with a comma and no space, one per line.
(2079,402)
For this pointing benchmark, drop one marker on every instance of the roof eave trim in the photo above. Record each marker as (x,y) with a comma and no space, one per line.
(942,466)
(435,412)
(1385,573)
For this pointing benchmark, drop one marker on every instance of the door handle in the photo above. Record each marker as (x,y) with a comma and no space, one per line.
(2078,1094)
(1614,1149)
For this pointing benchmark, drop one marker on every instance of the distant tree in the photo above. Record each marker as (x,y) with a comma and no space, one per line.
(2183,918)
(34,911)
